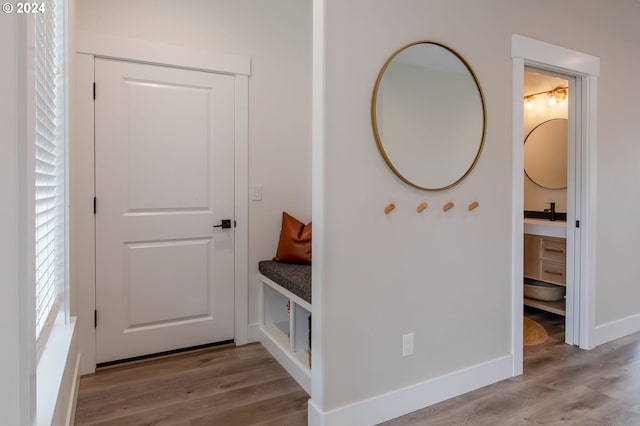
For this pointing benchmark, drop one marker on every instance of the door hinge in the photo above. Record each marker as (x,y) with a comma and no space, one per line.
(94,205)
(95,318)
(577,224)
(94,90)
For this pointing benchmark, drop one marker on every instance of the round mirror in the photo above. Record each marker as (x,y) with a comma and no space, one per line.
(545,154)
(428,116)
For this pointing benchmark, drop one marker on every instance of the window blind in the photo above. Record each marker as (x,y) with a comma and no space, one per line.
(49,165)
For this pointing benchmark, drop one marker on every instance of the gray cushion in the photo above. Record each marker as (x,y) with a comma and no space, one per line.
(295,278)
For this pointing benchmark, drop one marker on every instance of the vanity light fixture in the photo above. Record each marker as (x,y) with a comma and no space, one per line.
(557,95)
(554,96)
(528,102)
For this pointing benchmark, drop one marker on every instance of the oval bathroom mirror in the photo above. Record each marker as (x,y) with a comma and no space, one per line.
(545,154)
(428,116)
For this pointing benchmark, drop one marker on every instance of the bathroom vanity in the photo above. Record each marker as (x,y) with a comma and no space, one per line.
(545,261)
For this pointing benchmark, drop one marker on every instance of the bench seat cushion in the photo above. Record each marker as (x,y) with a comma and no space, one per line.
(294,277)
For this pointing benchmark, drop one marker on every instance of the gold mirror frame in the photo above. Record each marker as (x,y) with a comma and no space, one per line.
(379,142)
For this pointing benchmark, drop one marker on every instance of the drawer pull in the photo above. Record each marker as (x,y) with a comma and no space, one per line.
(553,273)
(554,250)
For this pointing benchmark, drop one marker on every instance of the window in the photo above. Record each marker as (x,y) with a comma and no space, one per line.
(50,167)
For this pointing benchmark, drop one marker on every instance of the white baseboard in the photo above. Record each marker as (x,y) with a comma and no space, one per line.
(402,401)
(254,333)
(314,414)
(616,329)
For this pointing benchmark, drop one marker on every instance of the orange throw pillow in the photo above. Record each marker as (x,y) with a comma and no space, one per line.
(295,241)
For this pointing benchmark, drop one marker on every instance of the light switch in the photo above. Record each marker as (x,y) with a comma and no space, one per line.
(256,193)
(407,344)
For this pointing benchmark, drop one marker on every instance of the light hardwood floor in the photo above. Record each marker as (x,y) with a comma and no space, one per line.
(216,386)
(561,385)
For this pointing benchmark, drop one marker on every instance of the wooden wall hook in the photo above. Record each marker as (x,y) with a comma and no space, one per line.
(447,206)
(473,205)
(389,208)
(421,207)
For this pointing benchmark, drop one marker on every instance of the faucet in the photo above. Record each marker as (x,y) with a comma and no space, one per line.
(551,210)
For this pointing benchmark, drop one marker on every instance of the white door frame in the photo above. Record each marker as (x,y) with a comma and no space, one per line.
(90,46)
(586,68)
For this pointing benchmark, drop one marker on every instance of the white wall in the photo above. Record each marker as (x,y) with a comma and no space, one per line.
(277,36)
(446,277)
(14,391)
(617,290)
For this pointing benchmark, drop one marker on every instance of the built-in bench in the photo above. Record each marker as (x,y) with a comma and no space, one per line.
(294,278)
(286,321)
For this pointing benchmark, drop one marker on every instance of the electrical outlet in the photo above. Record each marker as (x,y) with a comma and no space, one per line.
(256,193)
(407,344)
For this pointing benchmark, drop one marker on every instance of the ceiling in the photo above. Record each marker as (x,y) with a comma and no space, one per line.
(535,82)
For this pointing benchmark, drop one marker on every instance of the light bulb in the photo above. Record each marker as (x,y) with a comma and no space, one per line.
(528,102)
(557,95)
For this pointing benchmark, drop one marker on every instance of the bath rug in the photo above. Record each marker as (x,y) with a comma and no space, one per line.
(534,333)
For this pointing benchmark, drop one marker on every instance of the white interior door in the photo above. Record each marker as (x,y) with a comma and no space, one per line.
(164,176)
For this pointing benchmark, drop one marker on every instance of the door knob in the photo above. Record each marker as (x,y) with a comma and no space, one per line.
(224,224)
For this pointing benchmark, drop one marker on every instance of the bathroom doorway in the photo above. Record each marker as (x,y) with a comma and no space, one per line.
(546,163)
(582,72)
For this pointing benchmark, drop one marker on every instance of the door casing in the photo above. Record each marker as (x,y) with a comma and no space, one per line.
(91,46)
(585,68)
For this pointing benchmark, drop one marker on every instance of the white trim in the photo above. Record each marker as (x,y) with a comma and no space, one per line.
(588,207)
(55,374)
(241,196)
(91,45)
(574,181)
(517,222)
(253,334)
(82,211)
(318,206)
(616,329)
(536,52)
(314,414)
(289,295)
(393,404)
(107,46)
(526,51)
(27,237)
(73,394)
(17,362)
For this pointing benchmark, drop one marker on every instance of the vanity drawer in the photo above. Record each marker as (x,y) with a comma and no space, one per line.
(553,272)
(553,249)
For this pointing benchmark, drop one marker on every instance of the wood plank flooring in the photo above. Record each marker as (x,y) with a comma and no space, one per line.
(216,386)
(561,385)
